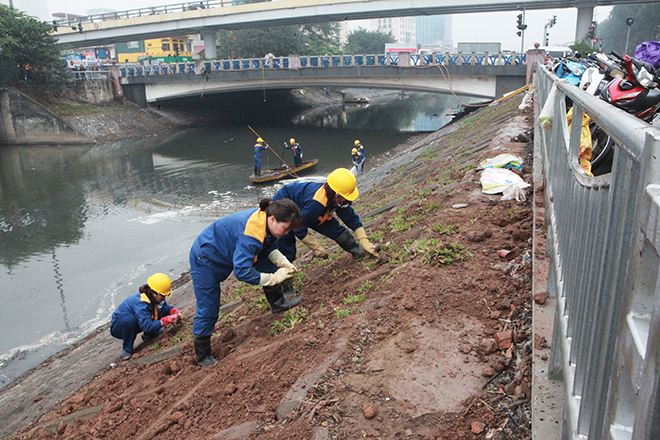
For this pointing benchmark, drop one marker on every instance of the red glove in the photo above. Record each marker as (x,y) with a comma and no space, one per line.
(169,319)
(176,312)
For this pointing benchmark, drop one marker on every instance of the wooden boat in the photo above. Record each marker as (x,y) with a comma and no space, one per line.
(280,173)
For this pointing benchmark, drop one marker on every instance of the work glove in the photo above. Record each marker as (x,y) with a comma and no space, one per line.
(278,259)
(169,319)
(176,312)
(273,279)
(361,236)
(309,241)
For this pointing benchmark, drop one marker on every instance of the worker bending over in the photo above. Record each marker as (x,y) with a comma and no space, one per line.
(243,242)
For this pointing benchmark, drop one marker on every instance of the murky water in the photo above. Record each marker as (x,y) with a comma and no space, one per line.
(81,228)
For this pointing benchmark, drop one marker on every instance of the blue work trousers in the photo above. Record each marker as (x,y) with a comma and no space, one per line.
(127,328)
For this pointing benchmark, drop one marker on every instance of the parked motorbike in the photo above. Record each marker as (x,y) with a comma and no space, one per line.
(626,83)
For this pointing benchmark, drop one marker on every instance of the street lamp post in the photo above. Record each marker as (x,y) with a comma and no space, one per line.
(629,22)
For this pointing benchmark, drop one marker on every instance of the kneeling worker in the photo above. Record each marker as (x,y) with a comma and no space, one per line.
(146,311)
(318,202)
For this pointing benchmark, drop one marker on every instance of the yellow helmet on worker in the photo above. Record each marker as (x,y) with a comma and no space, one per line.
(357,142)
(354,150)
(160,283)
(292,141)
(343,182)
(260,141)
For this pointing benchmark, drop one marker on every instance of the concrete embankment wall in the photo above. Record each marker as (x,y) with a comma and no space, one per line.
(24,121)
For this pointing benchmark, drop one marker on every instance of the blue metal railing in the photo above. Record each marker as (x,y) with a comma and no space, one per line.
(321,61)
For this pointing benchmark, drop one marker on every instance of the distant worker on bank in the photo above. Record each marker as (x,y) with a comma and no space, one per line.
(146,311)
(358,161)
(243,242)
(296,149)
(318,202)
(359,146)
(259,147)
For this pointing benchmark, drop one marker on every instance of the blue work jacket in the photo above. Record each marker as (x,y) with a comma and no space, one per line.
(148,315)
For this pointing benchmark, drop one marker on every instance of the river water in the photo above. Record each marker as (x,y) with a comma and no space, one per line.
(81,228)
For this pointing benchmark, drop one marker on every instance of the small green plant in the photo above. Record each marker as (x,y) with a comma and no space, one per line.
(339,273)
(352,298)
(402,222)
(377,236)
(365,287)
(445,229)
(368,264)
(344,313)
(155,346)
(228,319)
(473,220)
(470,167)
(290,319)
(432,207)
(447,253)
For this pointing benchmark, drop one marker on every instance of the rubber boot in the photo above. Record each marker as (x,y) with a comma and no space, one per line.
(350,244)
(203,350)
(288,290)
(275,297)
(256,171)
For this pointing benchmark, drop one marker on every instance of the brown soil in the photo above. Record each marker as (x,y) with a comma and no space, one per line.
(439,348)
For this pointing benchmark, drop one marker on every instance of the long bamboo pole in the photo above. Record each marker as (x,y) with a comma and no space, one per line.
(269,147)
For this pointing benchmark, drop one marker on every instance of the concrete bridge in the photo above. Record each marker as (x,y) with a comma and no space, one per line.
(474,75)
(180,19)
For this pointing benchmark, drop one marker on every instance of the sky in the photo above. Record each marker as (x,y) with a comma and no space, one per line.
(485,27)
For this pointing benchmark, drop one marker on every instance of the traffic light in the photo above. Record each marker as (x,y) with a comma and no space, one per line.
(80,27)
(590,33)
(519,22)
(554,21)
(54,25)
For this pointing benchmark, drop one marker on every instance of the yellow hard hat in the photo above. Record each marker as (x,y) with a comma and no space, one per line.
(354,150)
(292,141)
(342,181)
(260,141)
(160,283)
(357,142)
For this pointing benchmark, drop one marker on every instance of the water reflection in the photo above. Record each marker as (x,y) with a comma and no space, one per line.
(411,112)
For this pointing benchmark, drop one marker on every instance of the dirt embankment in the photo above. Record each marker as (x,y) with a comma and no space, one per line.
(432,340)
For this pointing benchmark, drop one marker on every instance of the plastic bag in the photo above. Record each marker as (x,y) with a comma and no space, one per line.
(499,180)
(649,51)
(545,117)
(506,160)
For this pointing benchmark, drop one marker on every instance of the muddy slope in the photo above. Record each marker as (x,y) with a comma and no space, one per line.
(431,340)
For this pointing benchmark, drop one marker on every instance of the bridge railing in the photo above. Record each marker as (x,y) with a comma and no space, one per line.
(604,247)
(156,10)
(318,61)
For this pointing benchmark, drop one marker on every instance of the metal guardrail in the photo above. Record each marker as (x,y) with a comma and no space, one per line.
(604,246)
(145,12)
(320,61)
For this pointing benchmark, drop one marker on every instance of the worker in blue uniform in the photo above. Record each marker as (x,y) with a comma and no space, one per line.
(358,160)
(296,149)
(259,147)
(243,242)
(146,311)
(358,145)
(318,202)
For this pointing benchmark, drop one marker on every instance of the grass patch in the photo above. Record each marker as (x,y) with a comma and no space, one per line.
(353,298)
(401,222)
(387,277)
(444,229)
(345,313)
(290,319)
(365,287)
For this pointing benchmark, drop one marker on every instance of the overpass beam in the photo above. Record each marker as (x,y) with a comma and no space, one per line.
(210,50)
(584,18)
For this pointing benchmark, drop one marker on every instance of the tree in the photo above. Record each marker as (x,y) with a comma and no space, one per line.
(308,39)
(364,41)
(28,54)
(613,31)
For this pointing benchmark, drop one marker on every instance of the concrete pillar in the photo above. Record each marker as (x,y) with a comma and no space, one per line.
(209,45)
(584,18)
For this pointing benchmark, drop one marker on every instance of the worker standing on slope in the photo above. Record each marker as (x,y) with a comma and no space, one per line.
(259,147)
(146,311)
(243,242)
(358,161)
(296,149)
(318,202)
